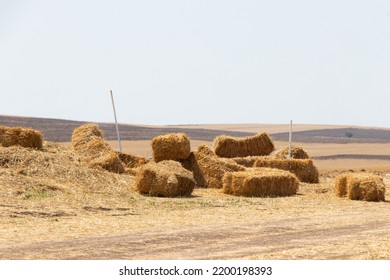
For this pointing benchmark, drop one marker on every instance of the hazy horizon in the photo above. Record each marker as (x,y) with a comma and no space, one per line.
(197,62)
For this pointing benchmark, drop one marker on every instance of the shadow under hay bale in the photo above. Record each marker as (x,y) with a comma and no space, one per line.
(208,169)
(360,186)
(20,136)
(296,152)
(230,147)
(259,182)
(88,141)
(165,178)
(304,169)
(173,146)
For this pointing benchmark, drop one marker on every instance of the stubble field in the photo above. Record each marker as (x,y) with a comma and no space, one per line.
(107,219)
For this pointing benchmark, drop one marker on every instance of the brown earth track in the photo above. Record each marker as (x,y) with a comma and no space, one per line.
(245,240)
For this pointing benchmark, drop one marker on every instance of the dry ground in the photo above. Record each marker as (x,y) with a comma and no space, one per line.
(101,217)
(209,225)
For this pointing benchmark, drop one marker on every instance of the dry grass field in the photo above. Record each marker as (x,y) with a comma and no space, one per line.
(52,206)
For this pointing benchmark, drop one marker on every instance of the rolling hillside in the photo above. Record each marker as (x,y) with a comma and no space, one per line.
(58,130)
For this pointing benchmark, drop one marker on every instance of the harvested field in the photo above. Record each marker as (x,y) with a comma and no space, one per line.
(53,205)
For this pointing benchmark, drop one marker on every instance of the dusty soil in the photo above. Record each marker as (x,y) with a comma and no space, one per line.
(209,225)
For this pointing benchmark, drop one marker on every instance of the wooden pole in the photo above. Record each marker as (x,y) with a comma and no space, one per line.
(116,122)
(289,140)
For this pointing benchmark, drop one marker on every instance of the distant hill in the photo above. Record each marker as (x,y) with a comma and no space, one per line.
(58,130)
(338,135)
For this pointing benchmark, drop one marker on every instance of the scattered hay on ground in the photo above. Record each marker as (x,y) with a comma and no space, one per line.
(260,182)
(88,141)
(20,136)
(296,152)
(165,178)
(230,147)
(173,146)
(53,170)
(304,169)
(360,186)
(208,169)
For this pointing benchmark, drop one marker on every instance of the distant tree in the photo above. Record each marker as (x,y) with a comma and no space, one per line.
(349,134)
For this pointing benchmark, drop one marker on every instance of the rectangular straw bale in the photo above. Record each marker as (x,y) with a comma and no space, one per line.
(88,141)
(260,182)
(131,161)
(208,169)
(360,186)
(165,178)
(173,146)
(341,185)
(192,165)
(21,136)
(248,161)
(296,152)
(230,147)
(82,136)
(304,169)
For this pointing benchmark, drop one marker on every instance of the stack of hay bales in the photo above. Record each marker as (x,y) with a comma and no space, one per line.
(304,169)
(174,146)
(88,141)
(296,152)
(208,169)
(260,182)
(20,136)
(360,186)
(165,178)
(230,147)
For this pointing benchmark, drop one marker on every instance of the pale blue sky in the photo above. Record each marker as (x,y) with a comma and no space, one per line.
(180,62)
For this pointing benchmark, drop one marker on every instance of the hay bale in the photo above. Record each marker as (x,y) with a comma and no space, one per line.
(131,161)
(208,169)
(248,161)
(82,136)
(165,178)
(88,141)
(260,182)
(173,146)
(360,186)
(230,147)
(20,136)
(296,152)
(304,169)
(191,164)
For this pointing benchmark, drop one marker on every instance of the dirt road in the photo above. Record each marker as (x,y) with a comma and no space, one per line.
(303,238)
